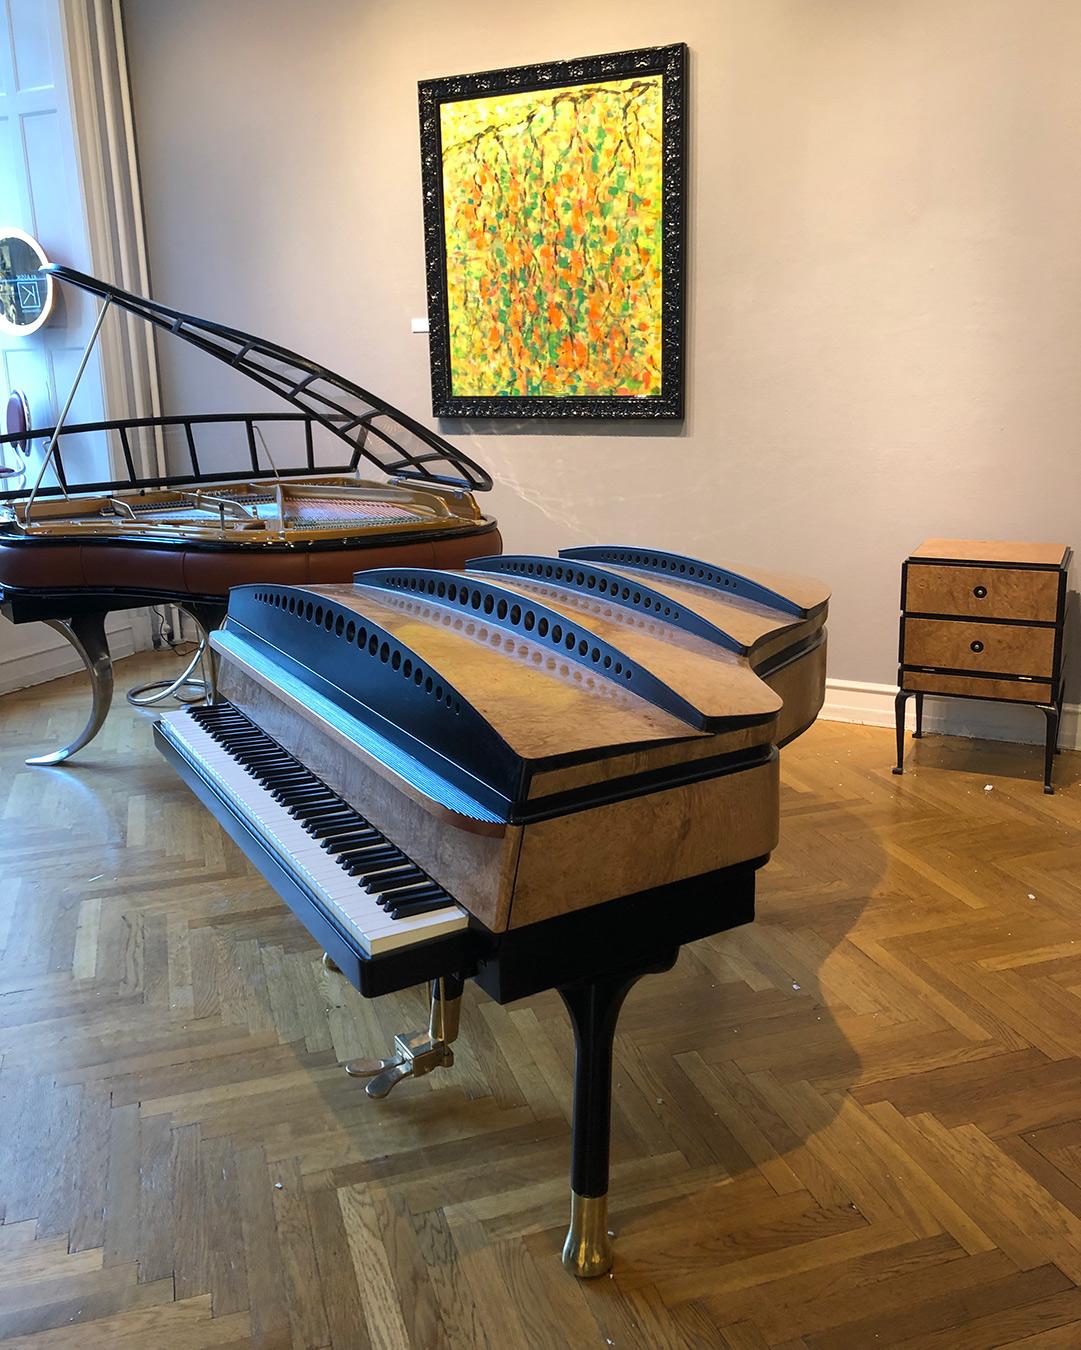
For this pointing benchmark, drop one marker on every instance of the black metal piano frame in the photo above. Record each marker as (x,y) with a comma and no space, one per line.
(591,956)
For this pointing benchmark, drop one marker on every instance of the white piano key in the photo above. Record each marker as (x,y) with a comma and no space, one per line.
(353,904)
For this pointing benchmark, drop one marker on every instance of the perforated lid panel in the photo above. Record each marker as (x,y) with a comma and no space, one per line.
(503,680)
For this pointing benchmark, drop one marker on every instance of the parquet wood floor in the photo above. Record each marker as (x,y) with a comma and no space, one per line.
(855,1123)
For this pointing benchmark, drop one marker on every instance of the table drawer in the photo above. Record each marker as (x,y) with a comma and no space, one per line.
(977,686)
(985,592)
(1000,649)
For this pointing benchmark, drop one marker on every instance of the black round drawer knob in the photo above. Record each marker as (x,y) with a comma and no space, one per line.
(979,592)
(977,646)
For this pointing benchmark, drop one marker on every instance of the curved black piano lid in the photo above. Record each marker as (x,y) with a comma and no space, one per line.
(675,567)
(474,595)
(374,429)
(597,583)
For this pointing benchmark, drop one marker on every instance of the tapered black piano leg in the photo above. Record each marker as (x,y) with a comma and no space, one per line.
(86,633)
(594,1007)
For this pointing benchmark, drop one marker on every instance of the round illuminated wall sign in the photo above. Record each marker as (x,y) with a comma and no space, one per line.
(26,295)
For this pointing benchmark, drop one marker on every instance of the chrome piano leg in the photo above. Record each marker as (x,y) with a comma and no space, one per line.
(419,1052)
(187,687)
(86,633)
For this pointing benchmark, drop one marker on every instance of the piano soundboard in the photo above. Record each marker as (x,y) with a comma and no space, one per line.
(533,772)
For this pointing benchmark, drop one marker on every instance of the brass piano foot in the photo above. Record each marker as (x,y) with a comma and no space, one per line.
(86,633)
(330,965)
(419,1052)
(587,1251)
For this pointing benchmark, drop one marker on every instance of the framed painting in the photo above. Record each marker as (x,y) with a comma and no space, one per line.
(554,208)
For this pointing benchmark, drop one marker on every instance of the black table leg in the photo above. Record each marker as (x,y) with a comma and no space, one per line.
(919,718)
(1051,712)
(593,1006)
(899,715)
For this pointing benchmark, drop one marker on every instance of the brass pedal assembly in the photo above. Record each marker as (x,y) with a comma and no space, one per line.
(416,1053)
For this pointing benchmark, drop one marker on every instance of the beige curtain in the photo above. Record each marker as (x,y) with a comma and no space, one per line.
(105,143)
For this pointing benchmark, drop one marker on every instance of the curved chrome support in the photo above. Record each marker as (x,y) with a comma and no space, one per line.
(200,689)
(157,691)
(86,633)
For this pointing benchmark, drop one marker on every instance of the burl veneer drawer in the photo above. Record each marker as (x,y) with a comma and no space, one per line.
(976,686)
(986,592)
(1000,649)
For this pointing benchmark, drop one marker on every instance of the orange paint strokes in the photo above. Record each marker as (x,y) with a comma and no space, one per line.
(553,250)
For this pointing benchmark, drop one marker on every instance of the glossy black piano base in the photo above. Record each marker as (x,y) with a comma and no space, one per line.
(593,1007)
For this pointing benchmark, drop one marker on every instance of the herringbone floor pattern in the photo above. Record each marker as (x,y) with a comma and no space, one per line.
(855,1123)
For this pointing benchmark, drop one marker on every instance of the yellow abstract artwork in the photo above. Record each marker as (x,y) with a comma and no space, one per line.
(552,206)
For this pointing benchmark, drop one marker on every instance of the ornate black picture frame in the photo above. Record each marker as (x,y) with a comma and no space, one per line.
(555,278)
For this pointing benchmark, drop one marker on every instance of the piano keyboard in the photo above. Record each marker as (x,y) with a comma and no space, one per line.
(371,888)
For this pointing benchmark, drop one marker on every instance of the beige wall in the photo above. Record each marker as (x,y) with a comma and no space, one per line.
(884,260)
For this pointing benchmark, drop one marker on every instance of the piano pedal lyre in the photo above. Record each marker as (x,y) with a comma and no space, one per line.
(418,1052)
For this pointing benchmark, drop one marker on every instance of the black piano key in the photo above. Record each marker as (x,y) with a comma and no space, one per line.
(416,877)
(362,826)
(327,802)
(409,874)
(280,769)
(296,793)
(305,805)
(386,875)
(322,816)
(262,755)
(298,801)
(370,848)
(415,907)
(321,830)
(401,895)
(339,842)
(347,855)
(242,749)
(365,867)
(303,787)
(270,770)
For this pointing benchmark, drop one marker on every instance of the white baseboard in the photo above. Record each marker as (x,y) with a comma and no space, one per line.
(872,705)
(35,667)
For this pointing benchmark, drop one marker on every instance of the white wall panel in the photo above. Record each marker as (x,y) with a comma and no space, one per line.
(45,169)
(40,192)
(31,45)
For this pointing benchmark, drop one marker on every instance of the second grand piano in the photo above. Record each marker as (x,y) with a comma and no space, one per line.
(536,773)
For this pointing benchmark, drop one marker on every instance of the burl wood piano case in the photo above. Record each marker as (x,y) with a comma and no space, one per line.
(535,773)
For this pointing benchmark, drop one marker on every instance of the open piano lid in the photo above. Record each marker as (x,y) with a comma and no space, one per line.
(372,428)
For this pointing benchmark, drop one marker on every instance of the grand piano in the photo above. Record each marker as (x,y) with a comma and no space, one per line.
(181,526)
(533,772)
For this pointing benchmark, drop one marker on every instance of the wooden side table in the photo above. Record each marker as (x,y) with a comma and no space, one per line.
(983,619)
